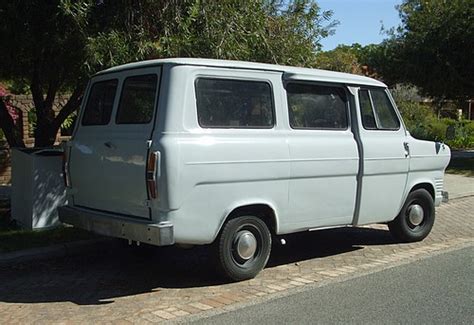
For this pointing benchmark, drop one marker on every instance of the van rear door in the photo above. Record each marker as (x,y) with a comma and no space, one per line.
(110,147)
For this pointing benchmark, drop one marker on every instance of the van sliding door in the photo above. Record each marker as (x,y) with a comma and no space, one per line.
(323,154)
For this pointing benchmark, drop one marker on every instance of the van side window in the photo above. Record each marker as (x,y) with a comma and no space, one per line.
(316,106)
(377,111)
(137,102)
(100,103)
(224,103)
(387,117)
(368,118)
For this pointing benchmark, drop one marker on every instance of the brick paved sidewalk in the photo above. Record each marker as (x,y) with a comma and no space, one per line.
(143,286)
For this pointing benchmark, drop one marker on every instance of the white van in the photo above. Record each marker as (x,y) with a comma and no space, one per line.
(196,151)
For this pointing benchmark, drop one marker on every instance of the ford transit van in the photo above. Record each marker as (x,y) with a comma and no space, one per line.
(235,154)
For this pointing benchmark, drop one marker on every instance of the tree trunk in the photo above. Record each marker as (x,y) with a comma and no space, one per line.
(48,125)
(72,105)
(44,135)
(12,133)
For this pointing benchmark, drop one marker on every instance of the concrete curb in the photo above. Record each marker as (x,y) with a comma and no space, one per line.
(460,195)
(57,251)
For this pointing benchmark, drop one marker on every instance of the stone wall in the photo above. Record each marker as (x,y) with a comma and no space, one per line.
(5,166)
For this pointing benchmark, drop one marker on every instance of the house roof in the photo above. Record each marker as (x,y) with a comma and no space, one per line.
(290,72)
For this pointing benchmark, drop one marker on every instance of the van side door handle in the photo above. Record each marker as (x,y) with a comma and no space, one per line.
(407,149)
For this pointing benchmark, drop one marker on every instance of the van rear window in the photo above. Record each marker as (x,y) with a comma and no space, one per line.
(137,103)
(224,103)
(100,103)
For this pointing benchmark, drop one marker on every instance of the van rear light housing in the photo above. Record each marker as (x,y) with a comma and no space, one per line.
(152,172)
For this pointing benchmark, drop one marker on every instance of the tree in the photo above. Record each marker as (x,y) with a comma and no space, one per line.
(272,31)
(53,46)
(432,49)
(45,46)
(343,59)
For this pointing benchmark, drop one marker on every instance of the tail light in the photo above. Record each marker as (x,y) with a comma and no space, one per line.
(66,176)
(152,172)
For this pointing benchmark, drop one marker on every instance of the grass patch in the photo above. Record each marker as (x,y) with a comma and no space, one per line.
(12,238)
(461,166)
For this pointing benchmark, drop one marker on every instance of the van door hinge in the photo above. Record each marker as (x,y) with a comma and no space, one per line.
(148,203)
(149,143)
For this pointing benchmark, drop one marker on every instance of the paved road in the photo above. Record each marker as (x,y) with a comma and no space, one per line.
(126,286)
(437,290)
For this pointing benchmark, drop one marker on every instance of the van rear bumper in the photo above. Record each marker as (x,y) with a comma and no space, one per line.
(159,234)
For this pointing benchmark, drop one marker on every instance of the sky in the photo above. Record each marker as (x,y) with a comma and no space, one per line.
(359,20)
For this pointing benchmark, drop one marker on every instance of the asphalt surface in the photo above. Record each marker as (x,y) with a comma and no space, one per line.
(436,290)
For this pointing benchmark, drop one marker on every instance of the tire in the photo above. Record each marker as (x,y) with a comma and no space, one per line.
(408,226)
(244,246)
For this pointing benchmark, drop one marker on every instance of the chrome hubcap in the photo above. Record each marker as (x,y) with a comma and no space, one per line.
(415,214)
(245,244)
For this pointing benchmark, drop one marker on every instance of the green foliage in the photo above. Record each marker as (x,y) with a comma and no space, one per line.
(66,126)
(463,136)
(284,32)
(54,46)
(404,93)
(432,49)
(69,121)
(34,36)
(423,124)
(343,59)
(16,86)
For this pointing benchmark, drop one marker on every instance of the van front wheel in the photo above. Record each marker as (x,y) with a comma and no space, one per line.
(416,218)
(243,247)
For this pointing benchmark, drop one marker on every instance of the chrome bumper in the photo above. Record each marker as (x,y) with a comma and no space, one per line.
(159,234)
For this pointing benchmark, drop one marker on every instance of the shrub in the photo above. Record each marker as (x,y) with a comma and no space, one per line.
(423,124)
(463,135)
(437,129)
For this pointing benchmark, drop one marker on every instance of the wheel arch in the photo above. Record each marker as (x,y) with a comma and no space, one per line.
(406,229)
(266,211)
(421,184)
(427,186)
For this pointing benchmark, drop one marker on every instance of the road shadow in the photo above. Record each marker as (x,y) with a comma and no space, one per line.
(100,277)
(310,245)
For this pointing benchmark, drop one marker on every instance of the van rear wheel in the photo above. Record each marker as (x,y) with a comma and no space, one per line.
(244,247)
(416,218)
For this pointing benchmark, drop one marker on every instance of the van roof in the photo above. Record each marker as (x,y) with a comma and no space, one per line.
(290,72)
